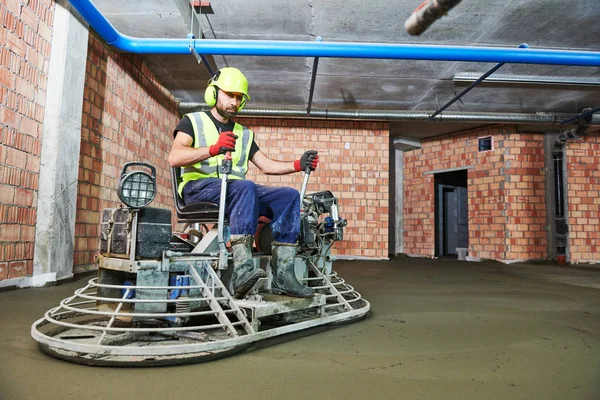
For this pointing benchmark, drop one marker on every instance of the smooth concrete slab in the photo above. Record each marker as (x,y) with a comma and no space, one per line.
(438,330)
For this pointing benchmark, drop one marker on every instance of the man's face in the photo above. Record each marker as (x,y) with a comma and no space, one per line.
(228,103)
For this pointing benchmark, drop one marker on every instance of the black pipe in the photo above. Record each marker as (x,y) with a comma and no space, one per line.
(559,193)
(580,116)
(313,79)
(207,64)
(472,85)
(467,90)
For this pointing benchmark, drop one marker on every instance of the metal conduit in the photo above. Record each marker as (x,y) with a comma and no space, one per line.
(471,86)
(329,49)
(509,118)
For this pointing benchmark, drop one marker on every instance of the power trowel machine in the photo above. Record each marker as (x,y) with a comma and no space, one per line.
(162,297)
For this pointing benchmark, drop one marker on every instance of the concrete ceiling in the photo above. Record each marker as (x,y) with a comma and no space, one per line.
(368,85)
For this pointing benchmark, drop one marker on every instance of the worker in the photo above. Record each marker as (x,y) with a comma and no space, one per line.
(202,139)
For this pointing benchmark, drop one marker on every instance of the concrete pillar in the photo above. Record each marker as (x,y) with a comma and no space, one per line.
(57,195)
(399,203)
(398,145)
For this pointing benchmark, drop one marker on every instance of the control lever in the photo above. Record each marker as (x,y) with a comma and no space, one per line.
(226,166)
(304,185)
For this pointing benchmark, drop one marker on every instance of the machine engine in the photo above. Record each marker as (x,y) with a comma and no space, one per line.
(320,224)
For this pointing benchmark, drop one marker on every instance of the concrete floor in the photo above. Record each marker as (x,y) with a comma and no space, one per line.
(438,330)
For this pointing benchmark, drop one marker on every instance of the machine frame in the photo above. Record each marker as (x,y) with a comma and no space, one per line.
(177,309)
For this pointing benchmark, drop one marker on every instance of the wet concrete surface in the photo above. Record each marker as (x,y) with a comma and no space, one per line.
(437,330)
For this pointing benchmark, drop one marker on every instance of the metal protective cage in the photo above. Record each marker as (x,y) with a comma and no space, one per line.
(137,188)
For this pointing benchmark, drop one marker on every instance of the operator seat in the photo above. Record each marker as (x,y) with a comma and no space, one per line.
(201,212)
(208,213)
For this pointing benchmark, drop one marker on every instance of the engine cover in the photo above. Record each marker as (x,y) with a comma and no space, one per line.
(323,201)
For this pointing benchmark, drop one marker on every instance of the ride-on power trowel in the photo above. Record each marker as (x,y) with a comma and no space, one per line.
(162,297)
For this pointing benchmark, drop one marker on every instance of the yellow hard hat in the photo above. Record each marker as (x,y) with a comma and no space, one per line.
(228,79)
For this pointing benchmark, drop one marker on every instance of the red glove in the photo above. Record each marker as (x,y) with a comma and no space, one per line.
(225,143)
(309,159)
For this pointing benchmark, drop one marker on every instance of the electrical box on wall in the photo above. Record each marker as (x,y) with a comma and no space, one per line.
(485,143)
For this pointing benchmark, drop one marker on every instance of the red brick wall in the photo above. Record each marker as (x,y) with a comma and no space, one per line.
(488,196)
(525,196)
(419,223)
(25,35)
(127,116)
(583,197)
(353,164)
(506,200)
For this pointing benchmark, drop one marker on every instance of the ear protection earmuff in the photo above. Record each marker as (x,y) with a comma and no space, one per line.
(210,96)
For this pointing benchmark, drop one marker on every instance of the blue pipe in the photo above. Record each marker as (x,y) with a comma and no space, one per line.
(332,49)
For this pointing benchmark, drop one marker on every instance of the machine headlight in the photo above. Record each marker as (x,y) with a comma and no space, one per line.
(137,188)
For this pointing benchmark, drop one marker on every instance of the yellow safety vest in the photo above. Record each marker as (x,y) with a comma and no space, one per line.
(206,134)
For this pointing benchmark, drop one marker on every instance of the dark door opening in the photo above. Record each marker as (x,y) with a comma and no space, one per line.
(451,213)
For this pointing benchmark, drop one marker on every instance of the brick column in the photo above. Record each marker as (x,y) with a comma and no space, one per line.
(25,35)
(583,186)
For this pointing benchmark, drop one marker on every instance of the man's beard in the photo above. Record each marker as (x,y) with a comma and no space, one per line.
(227,114)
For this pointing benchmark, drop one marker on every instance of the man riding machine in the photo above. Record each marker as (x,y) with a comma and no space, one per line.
(160,299)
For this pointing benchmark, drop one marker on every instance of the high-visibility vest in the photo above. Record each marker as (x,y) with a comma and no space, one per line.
(206,134)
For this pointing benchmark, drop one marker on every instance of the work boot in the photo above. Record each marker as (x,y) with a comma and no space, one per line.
(284,277)
(245,274)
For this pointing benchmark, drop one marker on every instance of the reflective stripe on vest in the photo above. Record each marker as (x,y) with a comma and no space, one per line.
(206,134)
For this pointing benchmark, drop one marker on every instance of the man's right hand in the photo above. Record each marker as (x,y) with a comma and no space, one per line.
(225,143)
(309,159)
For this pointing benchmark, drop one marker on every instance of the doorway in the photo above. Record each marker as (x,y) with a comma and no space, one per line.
(451,213)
